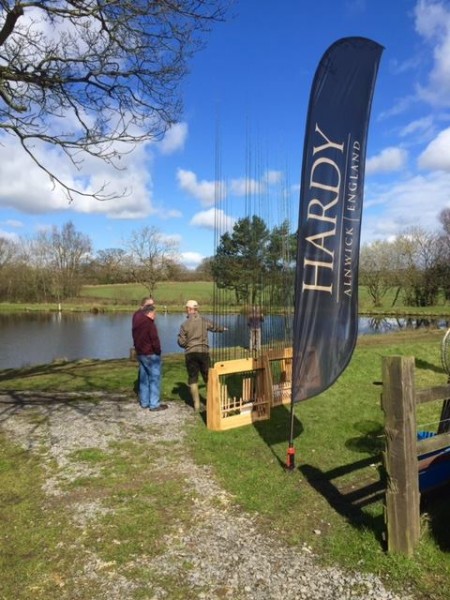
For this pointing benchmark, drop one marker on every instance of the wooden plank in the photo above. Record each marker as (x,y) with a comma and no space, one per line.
(434,443)
(279,354)
(240,365)
(280,391)
(213,417)
(435,393)
(402,492)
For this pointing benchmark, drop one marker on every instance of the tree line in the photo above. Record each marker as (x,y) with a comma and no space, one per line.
(258,264)
(53,265)
(254,262)
(415,265)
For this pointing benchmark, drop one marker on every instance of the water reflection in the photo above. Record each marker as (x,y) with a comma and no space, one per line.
(371,325)
(37,338)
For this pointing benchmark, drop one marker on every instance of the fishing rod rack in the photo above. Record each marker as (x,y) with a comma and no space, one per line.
(244,390)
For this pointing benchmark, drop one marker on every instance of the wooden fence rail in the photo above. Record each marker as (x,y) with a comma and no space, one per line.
(399,401)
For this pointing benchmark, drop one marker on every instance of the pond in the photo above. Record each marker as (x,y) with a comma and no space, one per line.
(38,338)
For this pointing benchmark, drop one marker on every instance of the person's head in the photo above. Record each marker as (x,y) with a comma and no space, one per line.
(191,306)
(149,310)
(147,301)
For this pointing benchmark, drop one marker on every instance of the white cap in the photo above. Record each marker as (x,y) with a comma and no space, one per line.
(192,304)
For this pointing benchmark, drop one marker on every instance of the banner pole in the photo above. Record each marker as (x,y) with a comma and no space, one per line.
(290,459)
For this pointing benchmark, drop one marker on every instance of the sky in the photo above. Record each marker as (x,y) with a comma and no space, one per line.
(238,148)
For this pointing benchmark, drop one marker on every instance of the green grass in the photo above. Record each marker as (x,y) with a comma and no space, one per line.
(31,562)
(173,295)
(41,549)
(338,441)
(339,437)
(170,294)
(366,306)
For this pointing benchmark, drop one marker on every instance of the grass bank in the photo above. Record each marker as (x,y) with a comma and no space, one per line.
(172,295)
(338,439)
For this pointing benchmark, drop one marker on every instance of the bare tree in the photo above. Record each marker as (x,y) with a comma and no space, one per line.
(8,251)
(86,75)
(444,253)
(152,257)
(109,265)
(444,219)
(63,252)
(376,267)
(417,253)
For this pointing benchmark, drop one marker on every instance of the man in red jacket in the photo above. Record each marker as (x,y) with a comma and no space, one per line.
(148,350)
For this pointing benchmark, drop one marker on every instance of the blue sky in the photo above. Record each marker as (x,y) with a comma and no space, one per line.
(238,149)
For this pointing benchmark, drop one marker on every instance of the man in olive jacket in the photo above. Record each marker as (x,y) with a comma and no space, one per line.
(193,337)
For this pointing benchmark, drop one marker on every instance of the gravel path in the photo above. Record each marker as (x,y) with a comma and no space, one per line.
(232,559)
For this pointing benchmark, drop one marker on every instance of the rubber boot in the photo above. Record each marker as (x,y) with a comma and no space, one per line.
(195,395)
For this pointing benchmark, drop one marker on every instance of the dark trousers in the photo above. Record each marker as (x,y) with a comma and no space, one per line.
(197,362)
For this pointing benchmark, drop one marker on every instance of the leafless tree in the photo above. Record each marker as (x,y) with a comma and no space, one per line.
(444,219)
(62,252)
(152,257)
(376,267)
(109,265)
(417,252)
(8,251)
(85,76)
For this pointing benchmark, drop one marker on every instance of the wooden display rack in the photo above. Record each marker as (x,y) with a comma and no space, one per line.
(278,364)
(239,393)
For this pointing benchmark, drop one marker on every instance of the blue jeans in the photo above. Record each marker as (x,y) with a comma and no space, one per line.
(149,380)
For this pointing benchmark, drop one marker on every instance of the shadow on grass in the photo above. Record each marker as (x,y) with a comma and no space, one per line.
(25,372)
(276,430)
(363,481)
(424,364)
(435,506)
(368,487)
(182,390)
(350,500)
(50,403)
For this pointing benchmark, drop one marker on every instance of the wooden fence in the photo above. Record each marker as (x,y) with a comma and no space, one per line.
(401,457)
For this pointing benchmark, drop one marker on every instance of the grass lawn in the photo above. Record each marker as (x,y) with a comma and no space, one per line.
(338,439)
(170,293)
(173,295)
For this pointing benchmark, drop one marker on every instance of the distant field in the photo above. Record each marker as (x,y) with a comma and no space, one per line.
(388,307)
(174,294)
(171,293)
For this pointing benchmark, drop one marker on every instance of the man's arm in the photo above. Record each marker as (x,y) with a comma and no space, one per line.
(182,337)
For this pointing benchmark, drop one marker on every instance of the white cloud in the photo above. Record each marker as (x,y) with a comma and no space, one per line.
(191,259)
(213,219)
(171,213)
(433,24)
(26,188)
(14,223)
(390,208)
(205,191)
(174,139)
(436,155)
(425,124)
(245,186)
(388,160)
(401,106)
(7,235)
(271,177)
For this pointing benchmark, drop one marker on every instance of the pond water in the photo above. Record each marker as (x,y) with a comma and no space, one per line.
(38,338)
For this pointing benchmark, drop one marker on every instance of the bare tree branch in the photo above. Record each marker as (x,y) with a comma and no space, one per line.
(83,75)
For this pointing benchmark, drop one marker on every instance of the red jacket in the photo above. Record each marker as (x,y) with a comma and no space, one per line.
(145,335)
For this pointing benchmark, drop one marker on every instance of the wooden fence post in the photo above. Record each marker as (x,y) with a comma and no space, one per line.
(400,459)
